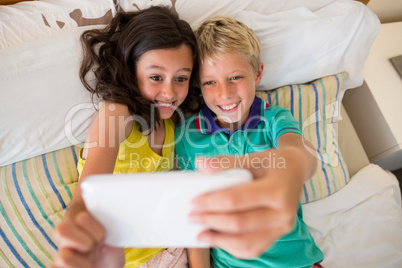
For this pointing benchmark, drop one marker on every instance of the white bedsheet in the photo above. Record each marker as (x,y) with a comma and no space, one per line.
(360,225)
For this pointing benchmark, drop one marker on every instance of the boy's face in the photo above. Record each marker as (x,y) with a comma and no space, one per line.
(228,87)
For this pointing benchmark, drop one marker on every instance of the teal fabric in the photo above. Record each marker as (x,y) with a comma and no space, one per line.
(296,249)
(200,136)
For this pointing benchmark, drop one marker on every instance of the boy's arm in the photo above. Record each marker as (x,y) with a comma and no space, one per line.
(247,219)
(199,257)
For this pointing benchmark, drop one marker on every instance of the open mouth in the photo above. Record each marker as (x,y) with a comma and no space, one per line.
(229,107)
(166,104)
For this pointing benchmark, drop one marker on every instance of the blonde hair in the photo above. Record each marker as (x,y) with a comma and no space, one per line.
(222,34)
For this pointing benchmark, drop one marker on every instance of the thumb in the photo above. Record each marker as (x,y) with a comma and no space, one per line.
(112,257)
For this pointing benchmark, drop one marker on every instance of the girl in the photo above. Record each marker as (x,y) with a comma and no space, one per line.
(143,64)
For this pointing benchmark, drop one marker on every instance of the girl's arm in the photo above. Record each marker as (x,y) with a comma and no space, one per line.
(199,257)
(247,219)
(80,236)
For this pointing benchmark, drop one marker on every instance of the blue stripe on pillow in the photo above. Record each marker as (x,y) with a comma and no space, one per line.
(305,193)
(74,155)
(31,216)
(49,178)
(33,196)
(10,246)
(61,180)
(291,100)
(20,240)
(318,137)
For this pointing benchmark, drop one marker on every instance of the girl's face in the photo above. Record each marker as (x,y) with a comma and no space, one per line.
(163,77)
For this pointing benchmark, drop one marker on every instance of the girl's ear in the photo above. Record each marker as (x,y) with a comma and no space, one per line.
(258,75)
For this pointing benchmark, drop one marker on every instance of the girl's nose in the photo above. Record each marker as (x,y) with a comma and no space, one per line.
(168,91)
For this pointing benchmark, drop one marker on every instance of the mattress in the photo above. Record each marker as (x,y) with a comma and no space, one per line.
(361,224)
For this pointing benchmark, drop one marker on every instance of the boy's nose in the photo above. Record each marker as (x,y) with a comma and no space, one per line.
(226,91)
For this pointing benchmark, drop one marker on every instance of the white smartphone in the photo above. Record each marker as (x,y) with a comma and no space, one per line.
(151,209)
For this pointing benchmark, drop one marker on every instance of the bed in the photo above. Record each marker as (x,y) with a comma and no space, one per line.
(313,51)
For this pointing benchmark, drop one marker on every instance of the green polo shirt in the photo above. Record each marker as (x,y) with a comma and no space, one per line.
(199,135)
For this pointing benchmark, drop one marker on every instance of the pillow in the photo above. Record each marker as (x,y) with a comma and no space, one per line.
(31,20)
(299,45)
(301,40)
(34,196)
(194,12)
(43,105)
(315,105)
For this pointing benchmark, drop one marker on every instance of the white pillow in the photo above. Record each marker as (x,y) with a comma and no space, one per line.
(302,40)
(39,81)
(194,12)
(39,90)
(300,45)
(31,20)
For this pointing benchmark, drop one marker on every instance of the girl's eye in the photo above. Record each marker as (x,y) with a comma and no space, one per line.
(156,78)
(181,79)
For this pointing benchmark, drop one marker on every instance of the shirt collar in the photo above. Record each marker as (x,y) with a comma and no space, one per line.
(206,124)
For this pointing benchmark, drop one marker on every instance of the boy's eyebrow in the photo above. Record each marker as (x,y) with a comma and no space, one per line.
(164,69)
(237,70)
(231,73)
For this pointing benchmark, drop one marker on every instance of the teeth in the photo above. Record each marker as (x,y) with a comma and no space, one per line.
(229,107)
(165,104)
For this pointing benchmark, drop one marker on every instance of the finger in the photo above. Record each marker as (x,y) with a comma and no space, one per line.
(68,258)
(72,236)
(255,163)
(238,198)
(214,164)
(245,222)
(91,226)
(244,246)
(112,257)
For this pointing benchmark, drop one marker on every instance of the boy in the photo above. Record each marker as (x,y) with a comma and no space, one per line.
(236,122)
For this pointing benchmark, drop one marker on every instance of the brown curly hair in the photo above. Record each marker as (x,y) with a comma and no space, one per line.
(112,54)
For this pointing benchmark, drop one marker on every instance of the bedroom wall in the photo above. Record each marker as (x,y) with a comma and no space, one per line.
(387,10)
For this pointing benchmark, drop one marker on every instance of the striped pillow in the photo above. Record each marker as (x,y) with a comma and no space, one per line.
(316,105)
(33,198)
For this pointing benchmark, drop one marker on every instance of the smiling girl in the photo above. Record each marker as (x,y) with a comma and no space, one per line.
(143,65)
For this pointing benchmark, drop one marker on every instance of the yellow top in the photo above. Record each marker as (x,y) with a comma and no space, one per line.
(135,155)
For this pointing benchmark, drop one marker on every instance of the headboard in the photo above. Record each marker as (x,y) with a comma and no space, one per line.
(10,2)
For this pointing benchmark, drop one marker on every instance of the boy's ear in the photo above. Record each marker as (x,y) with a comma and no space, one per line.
(258,76)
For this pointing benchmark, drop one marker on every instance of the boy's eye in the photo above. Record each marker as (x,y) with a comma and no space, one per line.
(156,78)
(236,77)
(208,83)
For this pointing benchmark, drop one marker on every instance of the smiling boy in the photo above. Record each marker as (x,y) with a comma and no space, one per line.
(236,122)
